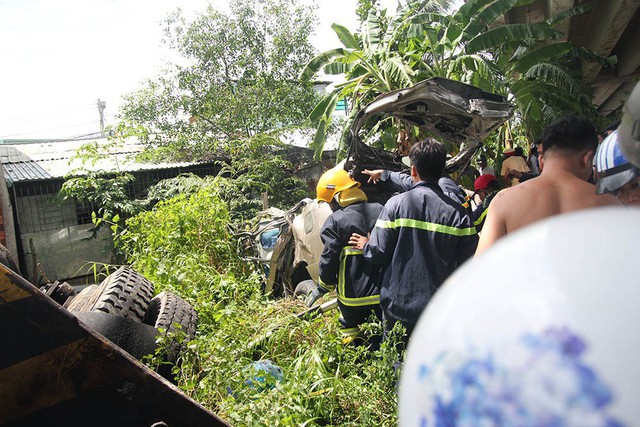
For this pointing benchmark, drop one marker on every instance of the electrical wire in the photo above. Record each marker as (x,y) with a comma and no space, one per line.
(96,122)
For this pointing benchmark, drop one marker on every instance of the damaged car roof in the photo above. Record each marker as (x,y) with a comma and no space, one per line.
(454,111)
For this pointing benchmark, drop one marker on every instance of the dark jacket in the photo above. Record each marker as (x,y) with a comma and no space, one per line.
(421,237)
(480,214)
(403,182)
(341,265)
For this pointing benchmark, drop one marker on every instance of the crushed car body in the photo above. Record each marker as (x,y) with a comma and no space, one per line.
(455,112)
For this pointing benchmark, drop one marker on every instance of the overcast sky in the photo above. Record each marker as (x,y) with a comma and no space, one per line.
(59,56)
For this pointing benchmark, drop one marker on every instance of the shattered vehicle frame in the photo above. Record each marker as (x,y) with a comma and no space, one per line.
(448,110)
(455,112)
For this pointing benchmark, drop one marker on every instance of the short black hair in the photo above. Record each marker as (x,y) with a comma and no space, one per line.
(571,132)
(429,157)
(519,151)
(613,126)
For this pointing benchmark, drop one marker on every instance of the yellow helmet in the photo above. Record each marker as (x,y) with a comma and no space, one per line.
(334,181)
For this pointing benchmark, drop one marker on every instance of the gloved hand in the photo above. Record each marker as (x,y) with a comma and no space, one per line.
(314,295)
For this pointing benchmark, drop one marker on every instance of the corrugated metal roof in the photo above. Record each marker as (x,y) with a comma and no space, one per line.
(24,171)
(12,155)
(56,159)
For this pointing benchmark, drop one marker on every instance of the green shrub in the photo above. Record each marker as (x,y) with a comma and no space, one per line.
(184,245)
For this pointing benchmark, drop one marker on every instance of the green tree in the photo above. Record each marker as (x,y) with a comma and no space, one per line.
(238,78)
(370,62)
(528,63)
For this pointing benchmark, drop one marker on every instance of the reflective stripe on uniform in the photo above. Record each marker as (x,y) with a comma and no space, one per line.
(349,332)
(467,202)
(428,226)
(481,218)
(359,302)
(352,302)
(326,286)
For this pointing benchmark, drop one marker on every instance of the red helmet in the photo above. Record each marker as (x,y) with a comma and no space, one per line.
(483,181)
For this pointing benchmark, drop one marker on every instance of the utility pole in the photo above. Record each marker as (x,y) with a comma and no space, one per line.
(101,106)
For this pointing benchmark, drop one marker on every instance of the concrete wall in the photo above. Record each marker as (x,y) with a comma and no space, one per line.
(65,253)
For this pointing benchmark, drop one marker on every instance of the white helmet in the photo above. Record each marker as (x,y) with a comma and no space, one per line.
(614,170)
(557,346)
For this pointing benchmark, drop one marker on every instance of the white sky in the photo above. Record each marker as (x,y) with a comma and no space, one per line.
(59,56)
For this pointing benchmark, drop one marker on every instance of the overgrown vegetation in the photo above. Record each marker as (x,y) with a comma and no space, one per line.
(255,169)
(185,245)
(238,91)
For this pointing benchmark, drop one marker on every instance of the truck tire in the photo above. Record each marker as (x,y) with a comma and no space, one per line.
(125,293)
(166,311)
(304,288)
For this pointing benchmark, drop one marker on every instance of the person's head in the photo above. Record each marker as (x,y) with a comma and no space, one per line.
(484,185)
(518,151)
(572,137)
(616,175)
(611,128)
(428,158)
(333,182)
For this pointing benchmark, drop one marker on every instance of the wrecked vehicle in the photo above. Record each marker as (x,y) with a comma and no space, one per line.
(454,112)
(288,246)
(124,309)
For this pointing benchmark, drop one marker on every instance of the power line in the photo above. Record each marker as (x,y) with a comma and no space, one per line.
(50,129)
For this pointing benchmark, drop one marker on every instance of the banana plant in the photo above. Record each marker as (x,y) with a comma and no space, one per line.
(529,63)
(371,63)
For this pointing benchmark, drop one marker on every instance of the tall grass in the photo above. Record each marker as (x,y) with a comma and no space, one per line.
(184,245)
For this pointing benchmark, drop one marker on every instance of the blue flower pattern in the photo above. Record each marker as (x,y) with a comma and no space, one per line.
(541,382)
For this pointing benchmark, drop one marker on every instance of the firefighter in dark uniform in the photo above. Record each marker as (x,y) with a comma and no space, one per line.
(420,238)
(342,267)
(486,187)
(403,182)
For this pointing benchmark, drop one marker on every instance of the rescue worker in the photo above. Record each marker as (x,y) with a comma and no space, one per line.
(403,182)
(342,267)
(421,237)
(486,187)
(616,175)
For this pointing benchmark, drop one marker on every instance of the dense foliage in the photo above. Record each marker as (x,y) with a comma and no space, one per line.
(236,78)
(183,236)
(256,171)
(528,63)
(185,245)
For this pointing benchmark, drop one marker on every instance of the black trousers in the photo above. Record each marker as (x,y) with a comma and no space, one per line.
(388,322)
(352,317)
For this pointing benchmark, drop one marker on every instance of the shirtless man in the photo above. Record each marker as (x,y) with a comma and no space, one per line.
(568,145)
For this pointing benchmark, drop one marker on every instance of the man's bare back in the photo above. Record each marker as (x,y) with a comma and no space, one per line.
(555,192)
